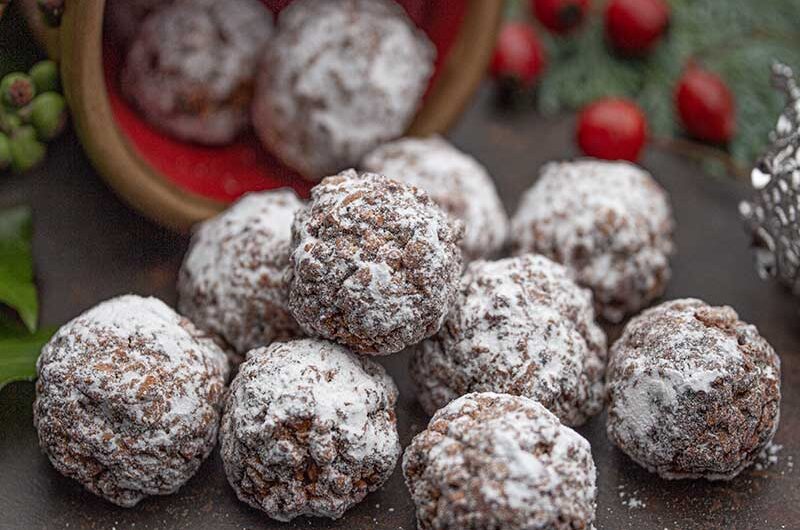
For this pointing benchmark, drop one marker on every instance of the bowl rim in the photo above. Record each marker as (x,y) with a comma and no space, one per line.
(80,47)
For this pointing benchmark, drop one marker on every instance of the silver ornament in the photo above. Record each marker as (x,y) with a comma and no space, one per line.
(771,216)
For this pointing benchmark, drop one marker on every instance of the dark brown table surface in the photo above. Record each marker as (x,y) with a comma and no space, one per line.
(89,246)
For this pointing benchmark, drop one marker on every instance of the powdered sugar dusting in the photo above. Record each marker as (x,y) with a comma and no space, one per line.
(768,457)
(340,78)
(693,391)
(498,461)
(232,282)
(375,264)
(455,181)
(128,399)
(609,222)
(315,422)
(522,326)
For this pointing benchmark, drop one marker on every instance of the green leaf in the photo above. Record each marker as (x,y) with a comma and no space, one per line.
(17,289)
(18,355)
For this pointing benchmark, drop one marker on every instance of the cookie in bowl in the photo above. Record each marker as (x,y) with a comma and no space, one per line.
(190,69)
(340,78)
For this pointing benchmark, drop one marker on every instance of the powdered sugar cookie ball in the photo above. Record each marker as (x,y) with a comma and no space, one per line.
(341,77)
(694,392)
(190,69)
(609,222)
(455,181)
(128,399)
(375,263)
(520,326)
(309,429)
(123,17)
(498,461)
(232,282)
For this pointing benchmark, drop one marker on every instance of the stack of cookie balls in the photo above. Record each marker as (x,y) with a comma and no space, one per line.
(327,83)
(506,354)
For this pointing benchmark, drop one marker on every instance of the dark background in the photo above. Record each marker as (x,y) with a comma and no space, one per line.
(89,246)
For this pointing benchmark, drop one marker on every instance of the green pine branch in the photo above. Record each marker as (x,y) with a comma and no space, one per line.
(737,39)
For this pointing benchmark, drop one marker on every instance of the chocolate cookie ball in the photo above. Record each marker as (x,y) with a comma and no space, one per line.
(693,391)
(128,399)
(609,222)
(375,263)
(455,181)
(503,462)
(309,429)
(191,68)
(341,78)
(232,282)
(520,326)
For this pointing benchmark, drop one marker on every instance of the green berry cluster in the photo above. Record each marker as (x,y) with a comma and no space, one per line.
(32,112)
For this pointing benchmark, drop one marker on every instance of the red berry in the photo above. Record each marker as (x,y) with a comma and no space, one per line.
(612,129)
(635,26)
(705,105)
(519,54)
(560,16)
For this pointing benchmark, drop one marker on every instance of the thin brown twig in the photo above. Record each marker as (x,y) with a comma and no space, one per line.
(700,151)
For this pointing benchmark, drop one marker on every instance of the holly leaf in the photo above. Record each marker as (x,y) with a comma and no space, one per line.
(17,289)
(18,354)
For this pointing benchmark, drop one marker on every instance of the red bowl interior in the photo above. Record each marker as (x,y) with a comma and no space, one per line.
(225,173)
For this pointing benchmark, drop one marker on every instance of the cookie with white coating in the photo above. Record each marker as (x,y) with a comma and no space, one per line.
(609,222)
(128,399)
(497,461)
(520,326)
(232,281)
(693,391)
(190,70)
(374,264)
(340,78)
(309,429)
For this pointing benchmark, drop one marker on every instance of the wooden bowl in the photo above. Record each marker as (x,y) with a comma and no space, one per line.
(178,183)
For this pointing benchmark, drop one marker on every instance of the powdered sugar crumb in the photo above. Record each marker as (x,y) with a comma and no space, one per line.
(768,457)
